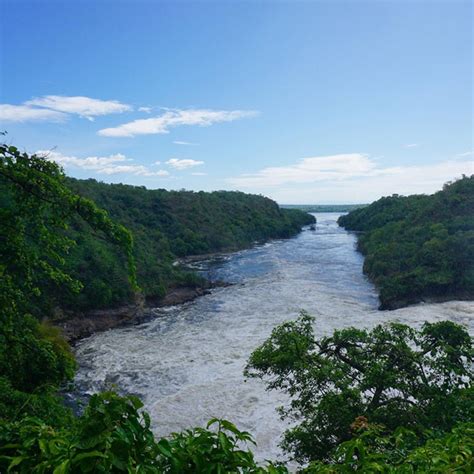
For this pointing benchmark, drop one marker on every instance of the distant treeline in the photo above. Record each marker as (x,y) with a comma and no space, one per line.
(166,225)
(324,207)
(419,247)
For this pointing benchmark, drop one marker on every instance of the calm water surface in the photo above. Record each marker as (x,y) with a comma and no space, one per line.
(187,364)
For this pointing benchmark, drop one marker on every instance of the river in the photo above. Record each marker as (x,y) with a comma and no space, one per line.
(187,363)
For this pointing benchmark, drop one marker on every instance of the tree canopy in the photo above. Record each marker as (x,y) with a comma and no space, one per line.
(419,247)
(392,375)
(168,225)
(35,212)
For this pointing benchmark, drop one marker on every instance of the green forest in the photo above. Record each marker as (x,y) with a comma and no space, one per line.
(420,247)
(391,399)
(165,225)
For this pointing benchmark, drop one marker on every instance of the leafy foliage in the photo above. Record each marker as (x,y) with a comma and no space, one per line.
(36,208)
(202,450)
(392,375)
(43,403)
(113,436)
(419,247)
(168,225)
(373,451)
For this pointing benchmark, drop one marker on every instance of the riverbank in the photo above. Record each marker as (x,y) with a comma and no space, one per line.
(78,325)
(409,302)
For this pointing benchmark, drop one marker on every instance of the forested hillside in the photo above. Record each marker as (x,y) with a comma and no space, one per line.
(166,225)
(419,247)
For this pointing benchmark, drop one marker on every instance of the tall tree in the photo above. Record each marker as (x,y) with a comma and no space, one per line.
(392,374)
(35,209)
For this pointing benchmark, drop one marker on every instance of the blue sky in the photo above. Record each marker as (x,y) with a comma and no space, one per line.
(305,102)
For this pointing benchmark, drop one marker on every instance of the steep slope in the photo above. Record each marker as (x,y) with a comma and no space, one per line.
(167,225)
(419,247)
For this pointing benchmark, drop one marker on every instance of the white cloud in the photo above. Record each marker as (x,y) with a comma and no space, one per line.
(56,108)
(24,113)
(412,145)
(89,163)
(466,153)
(179,142)
(183,164)
(108,165)
(199,174)
(348,178)
(174,118)
(83,106)
(137,170)
(335,167)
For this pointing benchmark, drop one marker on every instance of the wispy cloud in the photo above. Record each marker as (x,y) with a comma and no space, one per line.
(307,170)
(109,165)
(147,110)
(174,118)
(183,164)
(137,170)
(466,153)
(83,106)
(348,178)
(411,145)
(25,113)
(179,142)
(55,108)
(199,174)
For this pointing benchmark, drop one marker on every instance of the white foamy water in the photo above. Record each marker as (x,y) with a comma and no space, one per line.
(187,364)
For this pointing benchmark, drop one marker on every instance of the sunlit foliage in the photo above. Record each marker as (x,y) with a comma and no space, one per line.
(113,436)
(419,247)
(393,375)
(36,208)
(168,225)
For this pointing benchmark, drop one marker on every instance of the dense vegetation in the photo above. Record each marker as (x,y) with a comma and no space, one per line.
(388,400)
(39,218)
(35,210)
(167,225)
(113,436)
(419,247)
(324,207)
(382,400)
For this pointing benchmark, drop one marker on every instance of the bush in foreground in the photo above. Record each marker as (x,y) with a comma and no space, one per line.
(393,375)
(114,436)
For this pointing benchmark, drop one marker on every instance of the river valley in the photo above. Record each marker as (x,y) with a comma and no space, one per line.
(187,363)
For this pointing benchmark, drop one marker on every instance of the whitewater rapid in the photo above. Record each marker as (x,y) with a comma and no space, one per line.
(187,364)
